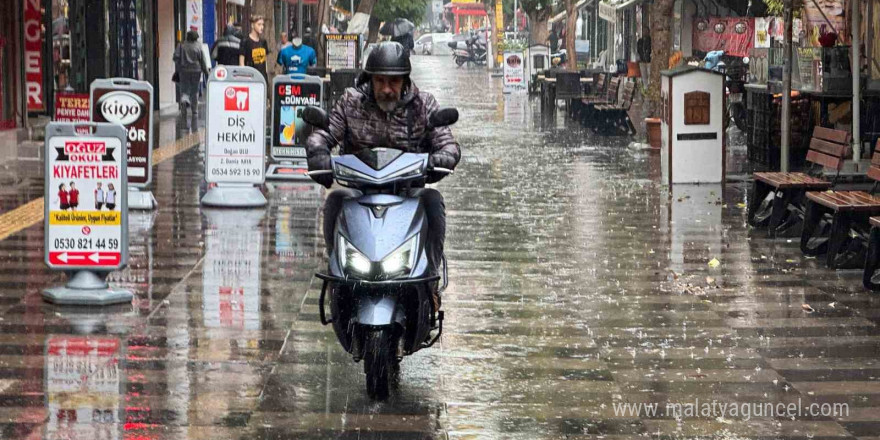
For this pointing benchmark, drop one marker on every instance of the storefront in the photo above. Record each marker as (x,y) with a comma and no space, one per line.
(11,109)
(467,16)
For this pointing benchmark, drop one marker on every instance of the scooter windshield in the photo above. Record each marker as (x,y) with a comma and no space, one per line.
(378,158)
(379,167)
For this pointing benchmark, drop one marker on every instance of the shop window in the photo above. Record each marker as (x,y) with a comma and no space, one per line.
(696,108)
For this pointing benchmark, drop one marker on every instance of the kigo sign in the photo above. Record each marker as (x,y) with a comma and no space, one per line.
(127,102)
(121,107)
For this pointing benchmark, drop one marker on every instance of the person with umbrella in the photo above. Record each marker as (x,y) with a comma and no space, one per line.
(401,31)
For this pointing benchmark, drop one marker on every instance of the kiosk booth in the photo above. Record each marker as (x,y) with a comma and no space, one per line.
(692,125)
(538,61)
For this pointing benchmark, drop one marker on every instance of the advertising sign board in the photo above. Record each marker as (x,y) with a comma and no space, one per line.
(343,51)
(128,102)
(236,121)
(292,94)
(514,72)
(86,198)
(71,107)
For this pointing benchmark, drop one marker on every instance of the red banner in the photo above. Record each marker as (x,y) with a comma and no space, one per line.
(733,35)
(72,107)
(33,55)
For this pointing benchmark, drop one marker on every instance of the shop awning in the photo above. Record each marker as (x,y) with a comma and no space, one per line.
(578,5)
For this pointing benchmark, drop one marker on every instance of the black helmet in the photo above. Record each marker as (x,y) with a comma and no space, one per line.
(388,58)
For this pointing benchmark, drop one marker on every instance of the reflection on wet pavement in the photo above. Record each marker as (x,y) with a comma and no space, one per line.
(578,284)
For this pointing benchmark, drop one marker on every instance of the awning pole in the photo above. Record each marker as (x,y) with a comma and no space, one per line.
(856,82)
(786,89)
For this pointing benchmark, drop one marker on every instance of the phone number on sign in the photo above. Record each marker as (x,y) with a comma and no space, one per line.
(246,172)
(86,243)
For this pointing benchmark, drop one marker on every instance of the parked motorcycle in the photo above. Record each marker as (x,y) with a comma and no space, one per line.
(474,52)
(378,278)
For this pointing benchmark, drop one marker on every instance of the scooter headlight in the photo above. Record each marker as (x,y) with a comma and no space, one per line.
(402,259)
(352,259)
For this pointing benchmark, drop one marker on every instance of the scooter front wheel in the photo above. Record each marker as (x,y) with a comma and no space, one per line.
(380,362)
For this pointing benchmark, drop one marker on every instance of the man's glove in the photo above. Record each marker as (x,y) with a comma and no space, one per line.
(441,160)
(320,163)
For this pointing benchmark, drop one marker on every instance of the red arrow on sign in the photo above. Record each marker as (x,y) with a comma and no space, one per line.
(69,258)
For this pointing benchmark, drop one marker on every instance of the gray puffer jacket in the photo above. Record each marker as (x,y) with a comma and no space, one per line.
(189,58)
(357,122)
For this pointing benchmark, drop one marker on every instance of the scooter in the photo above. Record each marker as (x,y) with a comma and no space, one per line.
(378,277)
(474,53)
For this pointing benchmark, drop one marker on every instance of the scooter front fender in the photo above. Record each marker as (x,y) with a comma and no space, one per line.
(380,310)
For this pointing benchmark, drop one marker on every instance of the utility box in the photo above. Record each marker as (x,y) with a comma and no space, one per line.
(693,145)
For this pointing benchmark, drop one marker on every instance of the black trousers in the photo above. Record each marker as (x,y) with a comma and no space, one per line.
(435,211)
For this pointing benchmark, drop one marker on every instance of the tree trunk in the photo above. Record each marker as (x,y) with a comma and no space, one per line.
(373,35)
(495,36)
(267,10)
(570,29)
(366,6)
(539,34)
(661,28)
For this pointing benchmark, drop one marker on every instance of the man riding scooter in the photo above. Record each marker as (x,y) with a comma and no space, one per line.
(385,109)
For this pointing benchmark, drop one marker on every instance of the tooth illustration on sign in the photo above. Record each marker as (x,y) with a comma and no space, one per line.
(241,99)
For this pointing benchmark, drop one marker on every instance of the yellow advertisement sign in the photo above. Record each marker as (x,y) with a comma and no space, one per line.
(85,218)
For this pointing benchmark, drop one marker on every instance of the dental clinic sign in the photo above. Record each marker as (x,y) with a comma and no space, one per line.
(33,55)
(236,126)
(128,103)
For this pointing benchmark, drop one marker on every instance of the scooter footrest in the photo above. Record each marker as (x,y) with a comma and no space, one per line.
(439,331)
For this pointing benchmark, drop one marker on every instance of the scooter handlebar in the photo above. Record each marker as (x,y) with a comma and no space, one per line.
(440,170)
(319,173)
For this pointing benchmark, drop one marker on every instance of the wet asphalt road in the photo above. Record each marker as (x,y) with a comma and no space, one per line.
(578,283)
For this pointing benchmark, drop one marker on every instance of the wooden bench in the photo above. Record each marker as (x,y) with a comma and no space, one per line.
(783,211)
(844,212)
(588,105)
(597,93)
(614,118)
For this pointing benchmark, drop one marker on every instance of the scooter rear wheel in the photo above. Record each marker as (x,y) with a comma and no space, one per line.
(379,362)
(459,61)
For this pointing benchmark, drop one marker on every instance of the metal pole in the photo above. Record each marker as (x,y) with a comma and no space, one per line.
(515,24)
(786,89)
(594,45)
(299,18)
(856,83)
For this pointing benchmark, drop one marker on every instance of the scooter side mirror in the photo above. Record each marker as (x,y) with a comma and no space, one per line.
(317,117)
(444,117)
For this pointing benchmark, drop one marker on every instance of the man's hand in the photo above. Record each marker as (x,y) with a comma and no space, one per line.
(320,163)
(441,160)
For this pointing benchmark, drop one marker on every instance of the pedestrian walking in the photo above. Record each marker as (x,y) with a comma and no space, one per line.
(189,60)
(227,48)
(254,48)
(111,197)
(99,197)
(553,39)
(73,196)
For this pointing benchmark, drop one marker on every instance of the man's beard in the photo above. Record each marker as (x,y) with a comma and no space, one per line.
(387,106)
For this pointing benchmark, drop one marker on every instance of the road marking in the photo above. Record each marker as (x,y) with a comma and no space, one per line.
(32,212)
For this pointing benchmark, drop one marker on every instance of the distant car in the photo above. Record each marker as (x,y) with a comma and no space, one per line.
(433,44)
